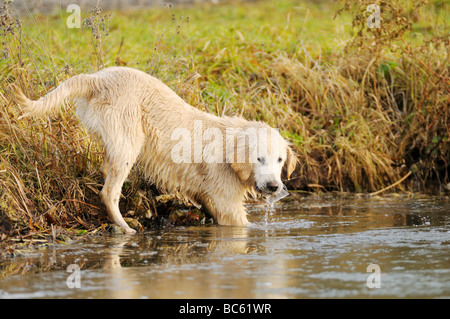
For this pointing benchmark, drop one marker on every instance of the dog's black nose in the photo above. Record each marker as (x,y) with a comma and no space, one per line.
(272,186)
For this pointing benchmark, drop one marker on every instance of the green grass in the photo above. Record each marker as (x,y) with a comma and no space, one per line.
(362,107)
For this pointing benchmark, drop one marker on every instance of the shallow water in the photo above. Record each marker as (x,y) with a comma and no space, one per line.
(305,247)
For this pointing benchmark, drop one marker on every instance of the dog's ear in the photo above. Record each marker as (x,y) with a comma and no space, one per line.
(291,162)
(243,170)
(241,155)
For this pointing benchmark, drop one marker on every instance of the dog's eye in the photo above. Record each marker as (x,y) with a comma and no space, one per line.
(280,159)
(261,160)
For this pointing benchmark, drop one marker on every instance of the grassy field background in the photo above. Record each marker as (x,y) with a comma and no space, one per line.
(364,108)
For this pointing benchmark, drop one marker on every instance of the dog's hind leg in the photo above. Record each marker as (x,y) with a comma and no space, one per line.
(104,167)
(118,168)
(116,175)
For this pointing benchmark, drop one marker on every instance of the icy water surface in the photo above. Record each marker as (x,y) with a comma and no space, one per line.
(306,247)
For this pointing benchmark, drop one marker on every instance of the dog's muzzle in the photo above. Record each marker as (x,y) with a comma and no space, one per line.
(269,188)
(274,197)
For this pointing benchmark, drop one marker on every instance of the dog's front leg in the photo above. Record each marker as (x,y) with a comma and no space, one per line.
(233,215)
(227,212)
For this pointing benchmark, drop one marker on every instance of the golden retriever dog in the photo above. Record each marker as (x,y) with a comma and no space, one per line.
(213,161)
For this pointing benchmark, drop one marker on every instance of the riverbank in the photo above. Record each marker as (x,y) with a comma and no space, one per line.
(364,108)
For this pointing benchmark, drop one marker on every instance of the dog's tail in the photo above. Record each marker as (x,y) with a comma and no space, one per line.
(81,85)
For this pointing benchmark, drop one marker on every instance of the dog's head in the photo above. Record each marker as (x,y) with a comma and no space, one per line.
(261,158)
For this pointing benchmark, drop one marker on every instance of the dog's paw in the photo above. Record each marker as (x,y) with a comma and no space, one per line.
(130,231)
